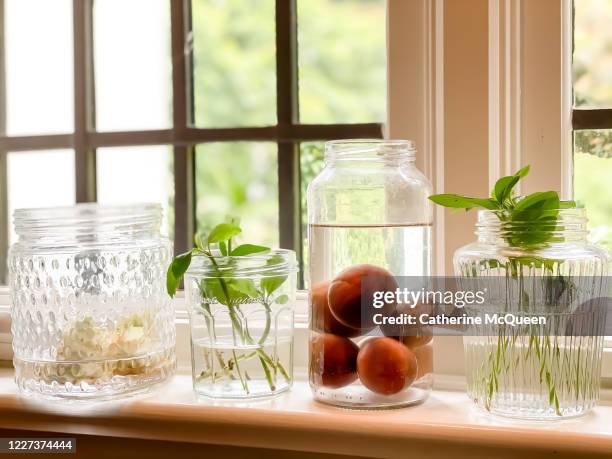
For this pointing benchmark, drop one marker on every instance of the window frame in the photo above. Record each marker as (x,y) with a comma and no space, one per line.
(183,136)
(523,114)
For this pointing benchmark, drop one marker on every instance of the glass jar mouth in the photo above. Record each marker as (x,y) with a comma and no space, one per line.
(574,214)
(87,219)
(553,225)
(275,262)
(369,150)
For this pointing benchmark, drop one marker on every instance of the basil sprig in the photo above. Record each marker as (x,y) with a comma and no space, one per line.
(219,240)
(532,218)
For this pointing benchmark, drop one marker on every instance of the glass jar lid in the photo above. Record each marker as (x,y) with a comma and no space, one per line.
(369,150)
(87,222)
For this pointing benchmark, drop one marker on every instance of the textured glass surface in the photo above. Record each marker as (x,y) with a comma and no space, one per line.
(133,71)
(234,63)
(342,61)
(536,372)
(39,70)
(593,53)
(128,175)
(91,317)
(239,179)
(592,174)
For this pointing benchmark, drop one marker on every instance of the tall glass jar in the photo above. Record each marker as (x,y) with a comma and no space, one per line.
(90,314)
(368,215)
(241,313)
(545,270)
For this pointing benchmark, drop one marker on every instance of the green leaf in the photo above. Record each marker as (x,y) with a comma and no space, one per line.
(229,291)
(223,232)
(172,283)
(212,289)
(522,172)
(533,218)
(176,271)
(281,299)
(272,283)
(504,186)
(223,248)
(456,201)
(248,249)
(541,200)
(242,289)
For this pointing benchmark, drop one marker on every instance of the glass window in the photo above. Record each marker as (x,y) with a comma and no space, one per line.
(234,62)
(592,175)
(133,71)
(342,61)
(39,179)
(39,70)
(239,179)
(592,53)
(230,48)
(137,174)
(592,67)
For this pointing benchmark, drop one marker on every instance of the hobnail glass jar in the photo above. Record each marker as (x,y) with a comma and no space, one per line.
(547,370)
(90,314)
(368,216)
(241,311)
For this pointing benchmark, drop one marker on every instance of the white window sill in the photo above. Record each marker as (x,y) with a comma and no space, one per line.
(446,425)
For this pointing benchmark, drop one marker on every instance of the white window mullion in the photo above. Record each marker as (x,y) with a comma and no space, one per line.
(415,30)
(505,103)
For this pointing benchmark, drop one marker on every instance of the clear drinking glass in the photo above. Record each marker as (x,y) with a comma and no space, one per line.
(241,313)
(543,371)
(90,314)
(368,213)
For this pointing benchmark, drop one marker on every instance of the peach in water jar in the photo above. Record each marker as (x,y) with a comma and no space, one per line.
(369,222)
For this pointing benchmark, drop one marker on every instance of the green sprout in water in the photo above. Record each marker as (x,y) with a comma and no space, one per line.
(529,223)
(532,218)
(233,292)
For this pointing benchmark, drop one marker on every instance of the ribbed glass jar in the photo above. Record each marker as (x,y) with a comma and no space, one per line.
(241,310)
(535,269)
(90,314)
(368,216)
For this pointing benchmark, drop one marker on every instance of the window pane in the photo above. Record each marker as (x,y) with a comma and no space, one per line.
(239,179)
(592,53)
(137,174)
(311,163)
(133,71)
(342,61)
(39,80)
(234,62)
(592,174)
(39,179)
